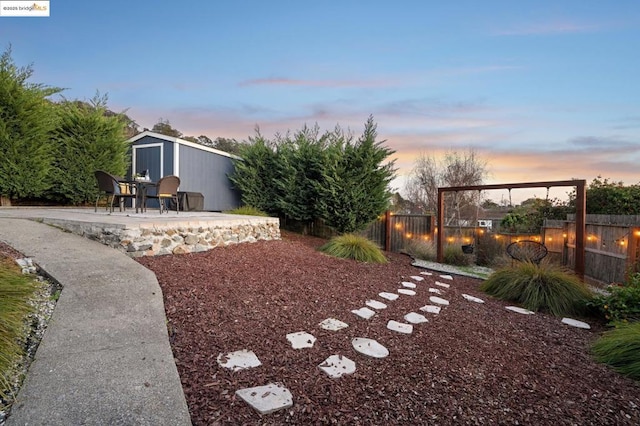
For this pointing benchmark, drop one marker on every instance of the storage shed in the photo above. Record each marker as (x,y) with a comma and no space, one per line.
(201,169)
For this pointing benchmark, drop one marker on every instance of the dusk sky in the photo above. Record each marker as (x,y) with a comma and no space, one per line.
(541,90)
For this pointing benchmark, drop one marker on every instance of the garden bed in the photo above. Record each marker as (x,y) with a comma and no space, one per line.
(471,364)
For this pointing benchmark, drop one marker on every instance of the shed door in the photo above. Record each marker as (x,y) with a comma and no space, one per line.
(149,157)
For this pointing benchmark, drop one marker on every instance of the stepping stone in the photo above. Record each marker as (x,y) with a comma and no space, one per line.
(369,347)
(301,340)
(520,310)
(417,278)
(337,366)
(375,304)
(333,324)
(408,284)
(442,284)
(400,327)
(406,291)
(267,399)
(239,360)
(432,309)
(365,313)
(426,273)
(446,277)
(435,290)
(576,323)
(388,296)
(414,318)
(439,300)
(472,299)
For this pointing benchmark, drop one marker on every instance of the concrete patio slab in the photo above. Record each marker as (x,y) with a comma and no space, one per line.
(337,366)
(369,347)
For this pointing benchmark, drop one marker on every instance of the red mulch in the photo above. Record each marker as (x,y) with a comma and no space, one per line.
(471,364)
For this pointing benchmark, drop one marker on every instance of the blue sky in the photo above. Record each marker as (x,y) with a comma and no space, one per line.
(542,90)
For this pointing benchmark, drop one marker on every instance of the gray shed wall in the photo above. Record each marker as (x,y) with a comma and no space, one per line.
(207,172)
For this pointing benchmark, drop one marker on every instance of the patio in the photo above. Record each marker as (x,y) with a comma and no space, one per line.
(150,234)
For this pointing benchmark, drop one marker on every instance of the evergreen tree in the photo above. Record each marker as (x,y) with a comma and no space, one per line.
(26,121)
(255,174)
(86,139)
(357,189)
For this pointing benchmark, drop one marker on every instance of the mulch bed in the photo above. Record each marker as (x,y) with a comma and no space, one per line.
(471,364)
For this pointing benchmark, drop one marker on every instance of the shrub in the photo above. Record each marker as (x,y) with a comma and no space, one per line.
(247,211)
(453,255)
(425,250)
(351,246)
(622,304)
(544,287)
(15,291)
(620,348)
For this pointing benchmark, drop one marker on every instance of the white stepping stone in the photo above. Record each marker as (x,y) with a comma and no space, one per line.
(520,310)
(388,296)
(333,324)
(400,327)
(426,273)
(576,323)
(301,340)
(472,299)
(239,360)
(408,284)
(415,318)
(438,283)
(417,278)
(267,399)
(365,313)
(435,290)
(337,366)
(446,277)
(375,304)
(438,300)
(432,309)
(369,347)
(406,291)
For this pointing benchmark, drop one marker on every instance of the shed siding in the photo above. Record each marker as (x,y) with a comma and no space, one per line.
(207,172)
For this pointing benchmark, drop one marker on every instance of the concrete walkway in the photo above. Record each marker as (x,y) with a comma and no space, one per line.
(105,358)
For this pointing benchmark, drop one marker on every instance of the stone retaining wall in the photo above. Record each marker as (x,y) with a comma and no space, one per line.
(176,239)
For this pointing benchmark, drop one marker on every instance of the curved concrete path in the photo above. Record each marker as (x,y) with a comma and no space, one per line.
(105,358)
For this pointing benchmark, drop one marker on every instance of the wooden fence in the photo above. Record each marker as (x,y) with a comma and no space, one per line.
(612,247)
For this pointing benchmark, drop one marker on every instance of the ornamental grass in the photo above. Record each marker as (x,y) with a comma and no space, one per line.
(546,287)
(356,247)
(15,291)
(620,349)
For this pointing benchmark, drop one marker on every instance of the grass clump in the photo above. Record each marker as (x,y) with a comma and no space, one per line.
(15,291)
(620,349)
(247,211)
(545,287)
(356,247)
(453,255)
(423,250)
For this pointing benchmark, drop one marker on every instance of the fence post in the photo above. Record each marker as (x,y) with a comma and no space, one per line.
(387,230)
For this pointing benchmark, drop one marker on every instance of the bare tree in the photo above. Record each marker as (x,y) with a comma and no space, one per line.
(455,169)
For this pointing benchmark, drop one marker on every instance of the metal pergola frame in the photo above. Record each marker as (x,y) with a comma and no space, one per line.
(581,211)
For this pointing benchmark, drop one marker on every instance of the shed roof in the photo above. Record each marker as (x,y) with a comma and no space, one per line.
(181,142)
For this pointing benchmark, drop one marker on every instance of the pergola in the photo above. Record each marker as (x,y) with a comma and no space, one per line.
(581,210)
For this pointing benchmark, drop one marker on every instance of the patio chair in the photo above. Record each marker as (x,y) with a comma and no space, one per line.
(166,189)
(110,186)
(527,251)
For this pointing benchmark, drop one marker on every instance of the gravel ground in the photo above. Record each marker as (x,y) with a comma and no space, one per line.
(471,364)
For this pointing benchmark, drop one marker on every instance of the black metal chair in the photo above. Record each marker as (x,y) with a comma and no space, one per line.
(110,186)
(166,189)
(527,251)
